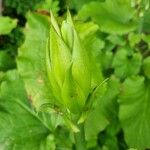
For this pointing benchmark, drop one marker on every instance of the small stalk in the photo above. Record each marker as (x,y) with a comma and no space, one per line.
(80,142)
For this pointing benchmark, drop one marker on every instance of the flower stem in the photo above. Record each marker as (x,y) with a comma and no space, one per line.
(80,142)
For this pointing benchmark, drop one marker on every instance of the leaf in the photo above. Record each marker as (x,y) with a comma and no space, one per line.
(93,45)
(146,38)
(146,22)
(49,5)
(78,4)
(86,29)
(104,116)
(106,58)
(134,112)
(134,39)
(109,105)
(31,59)
(95,123)
(4,63)
(21,7)
(117,40)
(126,64)
(114,17)
(146,67)
(20,126)
(6,25)
(104,111)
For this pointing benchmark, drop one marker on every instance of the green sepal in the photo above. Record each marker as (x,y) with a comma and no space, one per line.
(54,86)
(55,24)
(81,68)
(60,56)
(72,95)
(67,30)
(67,34)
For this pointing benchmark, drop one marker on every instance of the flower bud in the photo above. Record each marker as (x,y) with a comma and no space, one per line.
(68,66)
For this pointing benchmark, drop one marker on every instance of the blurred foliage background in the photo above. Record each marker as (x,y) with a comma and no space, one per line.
(122,49)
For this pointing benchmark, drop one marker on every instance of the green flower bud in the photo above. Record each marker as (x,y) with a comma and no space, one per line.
(68,66)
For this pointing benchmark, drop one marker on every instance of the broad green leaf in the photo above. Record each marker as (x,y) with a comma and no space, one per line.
(114,17)
(134,112)
(7,24)
(93,45)
(104,112)
(31,59)
(86,29)
(126,64)
(95,123)
(109,105)
(146,67)
(20,127)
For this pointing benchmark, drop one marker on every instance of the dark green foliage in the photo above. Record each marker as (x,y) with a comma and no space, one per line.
(20,6)
(115,35)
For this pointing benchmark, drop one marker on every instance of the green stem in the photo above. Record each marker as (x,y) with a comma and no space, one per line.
(80,142)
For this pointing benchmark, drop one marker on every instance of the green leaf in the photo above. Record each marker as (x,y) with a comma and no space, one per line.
(21,7)
(107,109)
(146,67)
(117,40)
(134,112)
(78,4)
(114,17)
(109,105)
(49,5)
(6,61)
(86,29)
(146,38)
(6,25)
(104,111)
(93,45)
(31,59)
(146,22)
(95,123)
(134,39)
(20,126)
(126,64)
(106,58)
